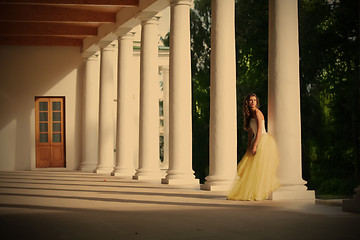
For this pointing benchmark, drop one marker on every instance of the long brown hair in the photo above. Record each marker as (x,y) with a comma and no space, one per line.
(247,111)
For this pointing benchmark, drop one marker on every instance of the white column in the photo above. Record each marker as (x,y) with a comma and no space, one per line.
(223,137)
(125,129)
(106,111)
(165,74)
(284,97)
(90,115)
(149,166)
(180,132)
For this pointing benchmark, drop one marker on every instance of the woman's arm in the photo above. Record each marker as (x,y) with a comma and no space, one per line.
(258,117)
(250,136)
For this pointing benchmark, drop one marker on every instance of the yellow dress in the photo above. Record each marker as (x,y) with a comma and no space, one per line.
(256,174)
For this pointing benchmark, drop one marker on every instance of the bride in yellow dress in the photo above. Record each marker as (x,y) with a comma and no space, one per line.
(256,172)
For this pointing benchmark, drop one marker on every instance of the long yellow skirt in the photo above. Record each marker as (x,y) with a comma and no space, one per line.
(256,174)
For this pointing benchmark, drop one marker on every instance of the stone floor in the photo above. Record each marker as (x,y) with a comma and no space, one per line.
(75,205)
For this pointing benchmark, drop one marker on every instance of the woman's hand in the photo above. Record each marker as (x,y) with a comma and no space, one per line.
(253,151)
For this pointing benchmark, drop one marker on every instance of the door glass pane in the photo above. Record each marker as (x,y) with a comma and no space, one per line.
(56,116)
(56,137)
(43,137)
(43,106)
(43,127)
(43,116)
(56,127)
(56,106)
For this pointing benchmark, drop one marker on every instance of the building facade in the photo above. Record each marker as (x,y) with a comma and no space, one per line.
(59,107)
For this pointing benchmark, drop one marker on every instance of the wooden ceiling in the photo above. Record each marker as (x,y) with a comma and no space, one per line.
(55,22)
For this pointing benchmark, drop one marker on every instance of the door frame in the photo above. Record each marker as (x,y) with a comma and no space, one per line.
(50,121)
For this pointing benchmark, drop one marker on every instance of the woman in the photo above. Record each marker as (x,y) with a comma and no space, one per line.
(256,174)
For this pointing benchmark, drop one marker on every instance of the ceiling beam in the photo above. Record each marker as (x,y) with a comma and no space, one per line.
(46,29)
(40,41)
(47,13)
(124,3)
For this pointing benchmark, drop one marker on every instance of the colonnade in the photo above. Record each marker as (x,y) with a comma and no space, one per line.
(284,102)
(177,91)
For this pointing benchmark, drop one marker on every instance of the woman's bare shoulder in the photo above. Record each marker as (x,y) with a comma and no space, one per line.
(259,115)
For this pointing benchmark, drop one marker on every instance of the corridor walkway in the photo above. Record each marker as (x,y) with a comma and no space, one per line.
(76,205)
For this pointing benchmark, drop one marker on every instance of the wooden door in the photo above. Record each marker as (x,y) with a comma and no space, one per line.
(49,129)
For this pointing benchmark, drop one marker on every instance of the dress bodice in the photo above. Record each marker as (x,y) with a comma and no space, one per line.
(253,126)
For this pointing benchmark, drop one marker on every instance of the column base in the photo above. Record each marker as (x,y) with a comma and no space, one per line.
(104,170)
(147,175)
(85,167)
(215,188)
(123,173)
(180,181)
(294,192)
(217,183)
(176,177)
(163,173)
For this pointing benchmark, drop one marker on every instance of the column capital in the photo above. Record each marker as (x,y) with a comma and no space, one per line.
(93,57)
(148,17)
(128,35)
(106,45)
(89,54)
(121,31)
(180,2)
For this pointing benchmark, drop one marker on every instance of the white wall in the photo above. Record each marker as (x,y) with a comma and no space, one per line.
(26,72)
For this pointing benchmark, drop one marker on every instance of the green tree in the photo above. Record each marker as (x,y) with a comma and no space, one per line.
(251,37)
(329,51)
(200,68)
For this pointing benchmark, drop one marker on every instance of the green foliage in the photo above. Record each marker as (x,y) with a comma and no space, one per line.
(251,31)
(200,67)
(166,39)
(329,66)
